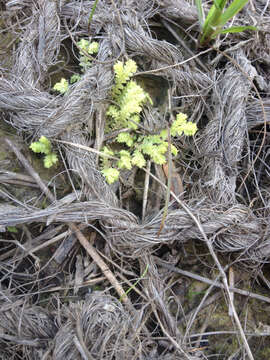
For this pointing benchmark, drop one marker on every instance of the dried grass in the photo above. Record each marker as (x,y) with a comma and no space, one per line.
(222,180)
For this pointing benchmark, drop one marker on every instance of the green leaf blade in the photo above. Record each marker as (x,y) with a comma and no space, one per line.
(200,12)
(212,18)
(220,4)
(234,29)
(231,11)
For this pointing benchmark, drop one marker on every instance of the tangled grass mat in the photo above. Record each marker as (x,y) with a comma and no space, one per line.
(89,273)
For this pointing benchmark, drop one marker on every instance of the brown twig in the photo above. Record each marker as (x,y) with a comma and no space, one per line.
(98,260)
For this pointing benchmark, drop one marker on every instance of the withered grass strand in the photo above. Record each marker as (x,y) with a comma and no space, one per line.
(222,103)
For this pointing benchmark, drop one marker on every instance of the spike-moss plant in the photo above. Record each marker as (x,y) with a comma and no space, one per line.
(87,47)
(129,98)
(44,146)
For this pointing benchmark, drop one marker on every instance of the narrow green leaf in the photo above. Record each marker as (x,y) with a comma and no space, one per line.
(218,10)
(200,12)
(134,285)
(211,14)
(234,29)
(219,4)
(92,13)
(212,18)
(231,11)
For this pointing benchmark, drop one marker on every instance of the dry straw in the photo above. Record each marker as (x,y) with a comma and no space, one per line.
(221,101)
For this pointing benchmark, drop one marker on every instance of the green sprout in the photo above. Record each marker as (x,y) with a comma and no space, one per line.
(217,17)
(92,14)
(44,146)
(135,284)
(12,229)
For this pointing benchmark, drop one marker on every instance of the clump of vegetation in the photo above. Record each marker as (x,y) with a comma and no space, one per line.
(132,147)
(61,86)
(86,47)
(44,146)
(217,18)
(136,148)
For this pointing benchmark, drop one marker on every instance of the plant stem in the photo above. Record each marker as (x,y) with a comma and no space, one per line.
(169,182)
